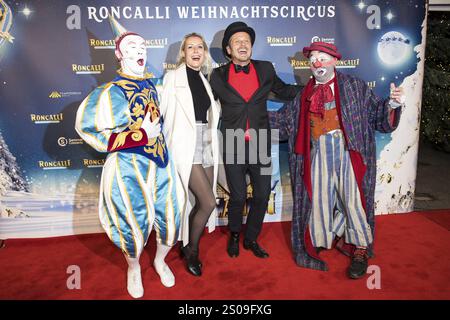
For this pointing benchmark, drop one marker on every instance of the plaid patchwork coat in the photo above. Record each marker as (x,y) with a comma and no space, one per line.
(360,113)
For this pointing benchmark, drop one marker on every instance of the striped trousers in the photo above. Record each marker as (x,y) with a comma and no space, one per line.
(135,196)
(336,203)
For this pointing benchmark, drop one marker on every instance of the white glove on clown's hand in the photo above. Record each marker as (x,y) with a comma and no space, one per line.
(397,97)
(152,129)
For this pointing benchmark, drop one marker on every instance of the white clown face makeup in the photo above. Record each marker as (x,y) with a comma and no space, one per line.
(132,55)
(322,65)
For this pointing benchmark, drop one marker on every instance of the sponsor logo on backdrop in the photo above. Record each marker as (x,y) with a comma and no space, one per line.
(160,43)
(372,84)
(93,163)
(281,41)
(299,64)
(63,141)
(322,39)
(346,64)
(341,64)
(46,118)
(55,95)
(156,43)
(169,66)
(102,44)
(88,69)
(60,94)
(55,165)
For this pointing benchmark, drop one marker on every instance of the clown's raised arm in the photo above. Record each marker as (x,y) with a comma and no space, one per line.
(383,114)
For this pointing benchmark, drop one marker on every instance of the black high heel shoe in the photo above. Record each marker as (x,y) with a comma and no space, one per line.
(187,251)
(193,265)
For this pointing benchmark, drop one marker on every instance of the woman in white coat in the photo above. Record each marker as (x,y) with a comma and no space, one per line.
(191,117)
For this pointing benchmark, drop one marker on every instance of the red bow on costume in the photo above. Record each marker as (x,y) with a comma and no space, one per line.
(320,95)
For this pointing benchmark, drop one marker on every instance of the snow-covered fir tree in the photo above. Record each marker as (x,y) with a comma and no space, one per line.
(10,174)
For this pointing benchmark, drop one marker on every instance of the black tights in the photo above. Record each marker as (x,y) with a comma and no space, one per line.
(200,183)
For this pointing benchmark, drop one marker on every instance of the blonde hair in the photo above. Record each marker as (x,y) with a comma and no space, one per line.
(206,67)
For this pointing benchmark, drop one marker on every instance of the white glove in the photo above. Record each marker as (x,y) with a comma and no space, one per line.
(152,129)
(397,96)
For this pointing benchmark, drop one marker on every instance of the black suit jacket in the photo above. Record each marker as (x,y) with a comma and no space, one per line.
(236,111)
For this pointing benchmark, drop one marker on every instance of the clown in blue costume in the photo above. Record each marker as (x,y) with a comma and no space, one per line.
(137,190)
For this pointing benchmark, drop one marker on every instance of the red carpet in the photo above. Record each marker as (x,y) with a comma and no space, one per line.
(412,251)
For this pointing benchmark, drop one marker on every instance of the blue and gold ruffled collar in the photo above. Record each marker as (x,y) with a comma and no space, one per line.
(146,76)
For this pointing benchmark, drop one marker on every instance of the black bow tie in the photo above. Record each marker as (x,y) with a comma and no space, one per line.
(239,68)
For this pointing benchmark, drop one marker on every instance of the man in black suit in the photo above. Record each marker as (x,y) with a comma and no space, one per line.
(243,86)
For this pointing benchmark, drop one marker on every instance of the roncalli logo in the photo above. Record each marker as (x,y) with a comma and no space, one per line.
(63,141)
(169,66)
(347,64)
(102,44)
(160,43)
(156,43)
(281,41)
(88,69)
(341,64)
(46,118)
(93,163)
(54,165)
(59,94)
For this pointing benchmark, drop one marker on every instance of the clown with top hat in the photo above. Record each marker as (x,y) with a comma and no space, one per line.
(331,131)
(138,182)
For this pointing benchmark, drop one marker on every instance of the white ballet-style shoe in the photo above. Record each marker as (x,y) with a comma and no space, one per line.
(134,283)
(165,274)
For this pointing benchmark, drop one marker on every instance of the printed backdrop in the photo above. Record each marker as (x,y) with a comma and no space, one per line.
(53,53)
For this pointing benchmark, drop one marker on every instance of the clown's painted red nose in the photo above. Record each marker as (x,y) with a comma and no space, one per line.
(317,64)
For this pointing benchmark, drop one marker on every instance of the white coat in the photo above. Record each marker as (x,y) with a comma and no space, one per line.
(177,108)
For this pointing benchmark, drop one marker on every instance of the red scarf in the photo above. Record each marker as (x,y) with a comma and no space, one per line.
(321,94)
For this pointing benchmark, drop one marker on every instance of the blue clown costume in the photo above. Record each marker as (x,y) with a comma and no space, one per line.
(138,182)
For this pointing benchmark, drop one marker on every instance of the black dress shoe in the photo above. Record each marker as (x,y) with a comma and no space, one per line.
(255,248)
(233,245)
(193,265)
(358,266)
